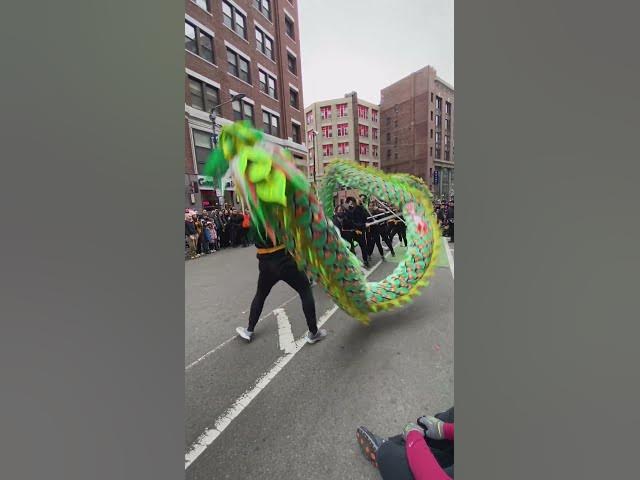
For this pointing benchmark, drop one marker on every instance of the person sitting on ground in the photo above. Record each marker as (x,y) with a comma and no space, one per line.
(424,451)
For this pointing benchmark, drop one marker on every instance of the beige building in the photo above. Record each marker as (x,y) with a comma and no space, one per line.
(347,128)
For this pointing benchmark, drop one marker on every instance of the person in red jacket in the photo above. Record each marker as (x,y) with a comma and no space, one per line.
(424,451)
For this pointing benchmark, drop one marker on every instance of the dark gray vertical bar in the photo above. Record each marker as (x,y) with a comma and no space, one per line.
(92,295)
(546,245)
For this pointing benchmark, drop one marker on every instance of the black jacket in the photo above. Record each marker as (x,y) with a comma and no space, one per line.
(359,217)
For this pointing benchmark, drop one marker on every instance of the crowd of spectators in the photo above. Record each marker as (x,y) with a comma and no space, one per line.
(208,231)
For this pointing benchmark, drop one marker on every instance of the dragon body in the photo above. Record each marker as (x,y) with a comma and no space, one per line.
(282,202)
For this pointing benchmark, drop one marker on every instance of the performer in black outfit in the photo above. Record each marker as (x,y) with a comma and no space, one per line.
(358,215)
(275,264)
(376,232)
(399,227)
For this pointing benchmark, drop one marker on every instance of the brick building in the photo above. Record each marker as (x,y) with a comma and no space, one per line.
(417,129)
(347,128)
(233,47)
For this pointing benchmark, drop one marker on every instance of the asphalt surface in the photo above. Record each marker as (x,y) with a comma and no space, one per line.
(302,424)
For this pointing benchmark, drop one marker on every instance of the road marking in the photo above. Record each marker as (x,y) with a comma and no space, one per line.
(203,357)
(279,307)
(285,334)
(449,256)
(224,420)
(210,352)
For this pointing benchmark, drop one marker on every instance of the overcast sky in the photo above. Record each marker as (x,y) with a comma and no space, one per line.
(365,45)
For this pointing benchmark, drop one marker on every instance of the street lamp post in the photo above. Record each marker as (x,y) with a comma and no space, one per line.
(214,115)
(315,155)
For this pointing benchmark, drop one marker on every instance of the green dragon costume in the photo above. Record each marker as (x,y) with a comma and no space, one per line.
(282,202)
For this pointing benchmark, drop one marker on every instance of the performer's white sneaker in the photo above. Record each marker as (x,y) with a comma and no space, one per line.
(244,333)
(320,334)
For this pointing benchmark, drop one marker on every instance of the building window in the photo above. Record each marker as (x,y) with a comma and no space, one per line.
(341,110)
(343,148)
(271,123)
(363,130)
(446,140)
(438,137)
(198,41)
(295,133)
(327,150)
(363,112)
(364,149)
(374,150)
(388,137)
(438,121)
(309,118)
(243,111)
(446,155)
(289,28)
(238,66)
(431,133)
(293,98)
(325,112)
(233,19)
(431,97)
(343,129)
(327,131)
(267,84)
(447,107)
(395,140)
(395,156)
(437,151)
(431,114)
(374,115)
(447,124)
(264,7)
(388,121)
(438,103)
(202,146)
(431,151)
(292,63)
(374,133)
(264,44)
(203,96)
(388,154)
(309,136)
(203,4)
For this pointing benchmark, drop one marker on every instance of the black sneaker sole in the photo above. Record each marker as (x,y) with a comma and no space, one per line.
(367,445)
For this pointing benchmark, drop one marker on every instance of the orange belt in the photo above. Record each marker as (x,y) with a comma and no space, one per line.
(262,251)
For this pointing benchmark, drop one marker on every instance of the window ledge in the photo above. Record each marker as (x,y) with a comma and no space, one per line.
(269,96)
(203,59)
(239,79)
(263,15)
(268,58)
(237,34)
(203,9)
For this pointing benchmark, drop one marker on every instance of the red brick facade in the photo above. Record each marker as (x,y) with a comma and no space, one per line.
(410,139)
(210,20)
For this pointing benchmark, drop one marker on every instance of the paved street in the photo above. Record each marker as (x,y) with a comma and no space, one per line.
(280,409)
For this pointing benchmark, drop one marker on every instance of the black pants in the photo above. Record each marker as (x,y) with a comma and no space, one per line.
(401,230)
(451,229)
(374,241)
(392,459)
(353,235)
(278,266)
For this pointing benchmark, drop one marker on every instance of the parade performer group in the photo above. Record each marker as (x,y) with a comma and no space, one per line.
(297,239)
